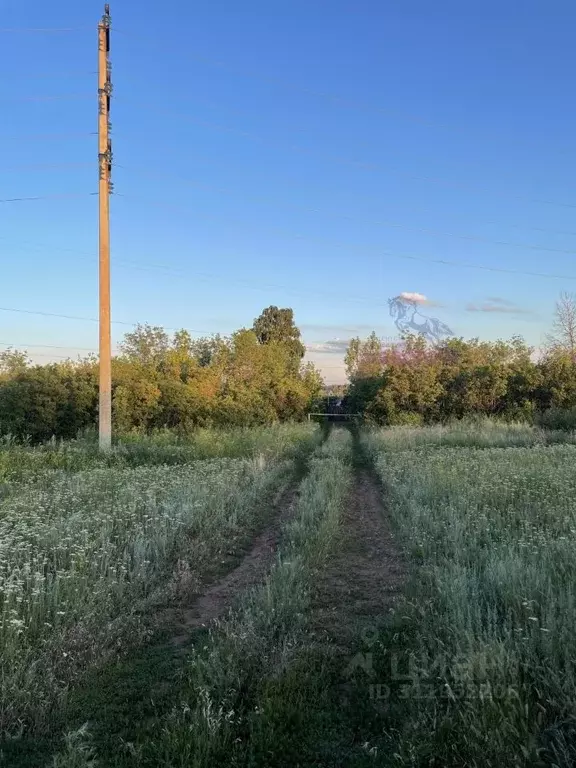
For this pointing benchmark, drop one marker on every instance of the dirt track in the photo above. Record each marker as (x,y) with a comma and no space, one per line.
(358,585)
(219,596)
(365,577)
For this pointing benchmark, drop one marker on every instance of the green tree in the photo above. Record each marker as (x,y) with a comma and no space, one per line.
(48,400)
(363,359)
(146,346)
(351,357)
(79,410)
(12,362)
(135,396)
(162,381)
(557,387)
(422,382)
(206,349)
(275,325)
(246,393)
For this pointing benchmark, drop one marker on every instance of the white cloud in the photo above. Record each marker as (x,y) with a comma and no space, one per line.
(498,300)
(329,347)
(416,298)
(501,306)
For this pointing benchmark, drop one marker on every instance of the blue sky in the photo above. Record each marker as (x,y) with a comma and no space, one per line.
(314,154)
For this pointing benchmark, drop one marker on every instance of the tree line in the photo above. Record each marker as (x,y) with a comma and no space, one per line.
(415,382)
(257,376)
(254,376)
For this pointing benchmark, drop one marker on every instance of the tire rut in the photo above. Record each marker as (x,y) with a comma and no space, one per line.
(362,582)
(218,597)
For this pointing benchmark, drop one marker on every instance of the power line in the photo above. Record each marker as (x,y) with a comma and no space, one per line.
(48,197)
(52,357)
(54,314)
(68,357)
(298,292)
(19,347)
(55,97)
(93,349)
(224,190)
(45,166)
(337,99)
(48,136)
(467,265)
(266,286)
(178,271)
(27,345)
(11,344)
(55,75)
(48,30)
(391,224)
(342,297)
(171,269)
(425,259)
(58,249)
(355,163)
(90,319)
(24,347)
(249,283)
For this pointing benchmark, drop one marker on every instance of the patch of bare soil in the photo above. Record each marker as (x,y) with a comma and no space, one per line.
(219,596)
(363,580)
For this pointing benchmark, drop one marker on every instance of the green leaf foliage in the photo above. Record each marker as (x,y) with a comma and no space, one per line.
(161,381)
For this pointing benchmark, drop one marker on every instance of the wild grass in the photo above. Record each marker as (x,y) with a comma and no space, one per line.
(216,705)
(78,752)
(490,630)
(478,661)
(481,433)
(23,463)
(84,550)
(558,418)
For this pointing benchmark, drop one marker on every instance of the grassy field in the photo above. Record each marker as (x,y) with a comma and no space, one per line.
(487,639)
(88,544)
(281,596)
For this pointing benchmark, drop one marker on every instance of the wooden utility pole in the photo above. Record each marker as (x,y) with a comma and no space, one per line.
(105,171)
